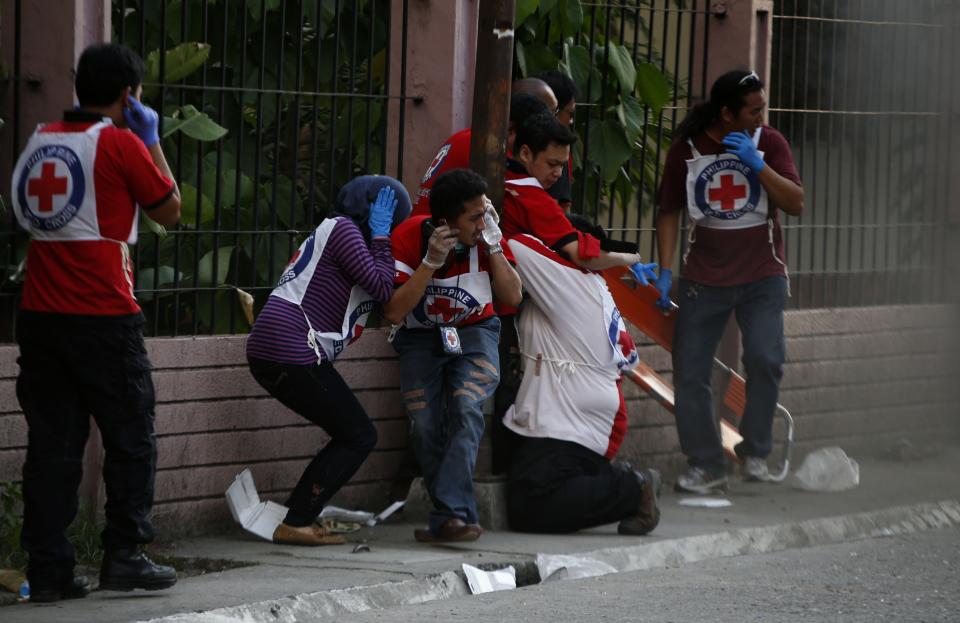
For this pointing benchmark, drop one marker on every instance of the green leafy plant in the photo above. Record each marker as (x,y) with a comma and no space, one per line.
(622,94)
(291,141)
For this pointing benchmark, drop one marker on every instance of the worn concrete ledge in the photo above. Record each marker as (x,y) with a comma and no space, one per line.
(671,552)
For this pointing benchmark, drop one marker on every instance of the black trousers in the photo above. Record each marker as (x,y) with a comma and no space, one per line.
(72,368)
(319,394)
(502,440)
(559,486)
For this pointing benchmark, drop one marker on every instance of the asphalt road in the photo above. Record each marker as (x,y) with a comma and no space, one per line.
(911,578)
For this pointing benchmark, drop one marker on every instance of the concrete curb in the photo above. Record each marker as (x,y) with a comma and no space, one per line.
(672,552)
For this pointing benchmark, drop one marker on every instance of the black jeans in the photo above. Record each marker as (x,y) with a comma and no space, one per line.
(558,486)
(319,393)
(71,368)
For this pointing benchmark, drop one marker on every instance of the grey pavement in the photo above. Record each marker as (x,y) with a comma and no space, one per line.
(905,578)
(285,583)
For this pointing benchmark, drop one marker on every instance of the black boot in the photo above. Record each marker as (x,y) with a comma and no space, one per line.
(127,569)
(76,588)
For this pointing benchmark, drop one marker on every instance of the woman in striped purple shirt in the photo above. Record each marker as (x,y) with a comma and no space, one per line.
(320,305)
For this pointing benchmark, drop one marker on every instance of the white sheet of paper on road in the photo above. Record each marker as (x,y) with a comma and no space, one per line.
(258,517)
(481,581)
(705,502)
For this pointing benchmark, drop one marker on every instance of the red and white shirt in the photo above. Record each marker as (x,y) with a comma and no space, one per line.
(574,344)
(459,294)
(76,188)
(454,154)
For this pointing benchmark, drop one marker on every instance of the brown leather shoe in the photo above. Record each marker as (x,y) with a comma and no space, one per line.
(648,515)
(305,535)
(453,530)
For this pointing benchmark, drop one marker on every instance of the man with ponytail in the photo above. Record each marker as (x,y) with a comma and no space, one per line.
(732,175)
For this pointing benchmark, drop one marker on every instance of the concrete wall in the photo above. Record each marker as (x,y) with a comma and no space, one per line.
(861,378)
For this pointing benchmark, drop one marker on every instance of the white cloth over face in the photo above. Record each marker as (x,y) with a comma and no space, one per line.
(574,344)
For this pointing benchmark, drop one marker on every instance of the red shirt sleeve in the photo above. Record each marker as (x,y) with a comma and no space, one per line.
(147,185)
(545,218)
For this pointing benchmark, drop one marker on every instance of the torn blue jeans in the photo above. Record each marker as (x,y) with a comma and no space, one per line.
(444,396)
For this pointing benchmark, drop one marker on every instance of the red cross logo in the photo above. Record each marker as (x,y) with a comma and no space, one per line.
(46,187)
(728,193)
(627,346)
(443,308)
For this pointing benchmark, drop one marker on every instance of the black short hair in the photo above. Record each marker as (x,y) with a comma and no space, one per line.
(452,190)
(540,130)
(562,86)
(104,71)
(523,105)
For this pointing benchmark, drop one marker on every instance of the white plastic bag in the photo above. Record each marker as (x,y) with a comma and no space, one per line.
(827,469)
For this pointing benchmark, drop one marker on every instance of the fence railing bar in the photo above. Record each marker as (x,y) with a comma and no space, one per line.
(863,113)
(809,18)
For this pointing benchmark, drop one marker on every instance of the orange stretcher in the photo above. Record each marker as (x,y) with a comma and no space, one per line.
(636,304)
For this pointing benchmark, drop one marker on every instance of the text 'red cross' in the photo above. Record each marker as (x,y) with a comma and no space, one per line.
(443,308)
(47,186)
(728,193)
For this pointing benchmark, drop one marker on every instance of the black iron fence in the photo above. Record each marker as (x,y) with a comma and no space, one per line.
(638,65)
(271,105)
(863,90)
(268,107)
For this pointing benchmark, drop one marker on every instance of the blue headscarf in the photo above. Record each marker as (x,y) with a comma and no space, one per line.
(354,199)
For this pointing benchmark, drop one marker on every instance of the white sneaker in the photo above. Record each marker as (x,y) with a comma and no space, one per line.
(755,469)
(698,480)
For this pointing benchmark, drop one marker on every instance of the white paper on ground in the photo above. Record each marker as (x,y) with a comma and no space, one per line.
(389,511)
(481,581)
(258,517)
(362,517)
(342,514)
(705,502)
(564,567)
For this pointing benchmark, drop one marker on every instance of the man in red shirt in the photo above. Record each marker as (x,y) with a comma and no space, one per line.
(447,279)
(76,189)
(528,96)
(567,93)
(541,149)
(732,175)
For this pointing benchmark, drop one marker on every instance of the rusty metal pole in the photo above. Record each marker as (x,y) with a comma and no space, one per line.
(491,94)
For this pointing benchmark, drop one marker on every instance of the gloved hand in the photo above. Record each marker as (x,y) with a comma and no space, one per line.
(441,242)
(143,121)
(643,272)
(662,284)
(381,212)
(741,145)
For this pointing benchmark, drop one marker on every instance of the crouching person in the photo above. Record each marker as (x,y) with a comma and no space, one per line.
(569,414)
(446,280)
(319,307)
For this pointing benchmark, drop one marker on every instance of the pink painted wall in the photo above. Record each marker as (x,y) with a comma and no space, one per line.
(441,49)
(741,35)
(65,33)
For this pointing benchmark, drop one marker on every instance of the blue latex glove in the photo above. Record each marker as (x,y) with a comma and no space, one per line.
(643,273)
(143,121)
(741,145)
(381,212)
(663,284)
